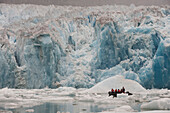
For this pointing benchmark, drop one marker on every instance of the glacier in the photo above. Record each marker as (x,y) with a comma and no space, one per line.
(53,46)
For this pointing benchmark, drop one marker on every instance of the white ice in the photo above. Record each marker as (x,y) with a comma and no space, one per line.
(163,103)
(81,46)
(116,82)
(154,99)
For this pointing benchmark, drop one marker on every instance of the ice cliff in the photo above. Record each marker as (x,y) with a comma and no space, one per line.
(80,46)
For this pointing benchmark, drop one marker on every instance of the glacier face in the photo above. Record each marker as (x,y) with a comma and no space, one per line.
(79,46)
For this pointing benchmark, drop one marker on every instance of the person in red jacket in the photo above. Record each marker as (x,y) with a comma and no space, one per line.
(112,90)
(116,90)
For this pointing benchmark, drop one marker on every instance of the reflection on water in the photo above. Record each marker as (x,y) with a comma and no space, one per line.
(71,107)
(66,107)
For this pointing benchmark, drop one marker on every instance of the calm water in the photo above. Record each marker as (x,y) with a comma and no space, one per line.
(66,107)
(70,107)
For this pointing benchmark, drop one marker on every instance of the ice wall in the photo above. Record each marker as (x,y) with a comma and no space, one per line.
(52,46)
(40,57)
(161,67)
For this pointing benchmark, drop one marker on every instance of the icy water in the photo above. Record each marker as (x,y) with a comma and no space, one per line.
(66,107)
(69,107)
(73,101)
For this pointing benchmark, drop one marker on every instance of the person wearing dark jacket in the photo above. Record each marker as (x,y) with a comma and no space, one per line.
(123,90)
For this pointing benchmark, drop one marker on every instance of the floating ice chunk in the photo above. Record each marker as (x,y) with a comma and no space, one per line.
(87,98)
(30,110)
(122,95)
(122,109)
(12,105)
(125,108)
(160,104)
(7,93)
(116,82)
(5,111)
(66,89)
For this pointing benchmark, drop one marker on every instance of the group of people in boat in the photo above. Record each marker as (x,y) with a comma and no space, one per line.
(118,90)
